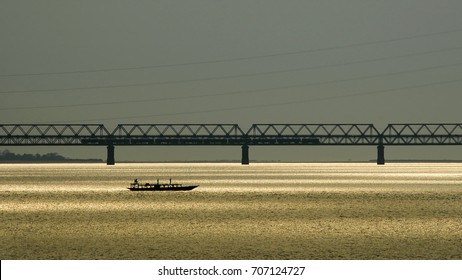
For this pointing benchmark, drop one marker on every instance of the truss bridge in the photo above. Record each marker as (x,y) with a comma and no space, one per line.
(230,134)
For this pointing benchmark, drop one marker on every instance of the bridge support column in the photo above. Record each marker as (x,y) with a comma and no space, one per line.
(245,155)
(381,154)
(110,155)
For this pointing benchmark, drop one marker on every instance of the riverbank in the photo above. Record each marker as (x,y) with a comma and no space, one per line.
(9,157)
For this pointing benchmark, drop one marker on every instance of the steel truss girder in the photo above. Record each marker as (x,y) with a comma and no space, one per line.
(174,140)
(321,134)
(423,134)
(177,130)
(230,134)
(53,130)
(49,134)
(173,134)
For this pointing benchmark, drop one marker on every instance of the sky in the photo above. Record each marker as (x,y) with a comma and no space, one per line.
(242,62)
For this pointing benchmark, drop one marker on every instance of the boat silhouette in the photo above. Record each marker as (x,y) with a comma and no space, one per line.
(138,186)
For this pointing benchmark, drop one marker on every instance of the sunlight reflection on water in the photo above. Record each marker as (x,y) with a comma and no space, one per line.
(295,211)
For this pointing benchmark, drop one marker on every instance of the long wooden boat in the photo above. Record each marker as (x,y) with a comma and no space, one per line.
(137,186)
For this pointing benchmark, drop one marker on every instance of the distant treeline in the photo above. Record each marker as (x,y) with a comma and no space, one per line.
(8,157)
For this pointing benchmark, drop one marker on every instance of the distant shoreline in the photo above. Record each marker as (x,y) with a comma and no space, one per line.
(9,157)
(280,161)
(224,161)
(64,161)
(68,160)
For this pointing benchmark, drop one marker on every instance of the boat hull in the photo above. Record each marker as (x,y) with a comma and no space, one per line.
(157,188)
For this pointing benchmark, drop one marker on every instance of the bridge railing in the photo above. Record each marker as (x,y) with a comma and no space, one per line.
(50,134)
(423,134)
(321,134)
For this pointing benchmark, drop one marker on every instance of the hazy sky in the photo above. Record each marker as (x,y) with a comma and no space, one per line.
(240,61)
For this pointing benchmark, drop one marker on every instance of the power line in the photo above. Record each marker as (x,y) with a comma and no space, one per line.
(237,92)
(276,104)
(233,92)
(60,90)
(238,58)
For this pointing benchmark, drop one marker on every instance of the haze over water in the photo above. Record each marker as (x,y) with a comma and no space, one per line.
(260,211)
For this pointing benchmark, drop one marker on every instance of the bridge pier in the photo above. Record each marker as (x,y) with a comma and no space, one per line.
(245,155)
(381,154)
(110,155)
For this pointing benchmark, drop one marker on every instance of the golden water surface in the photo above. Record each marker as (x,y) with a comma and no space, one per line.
(260,211)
